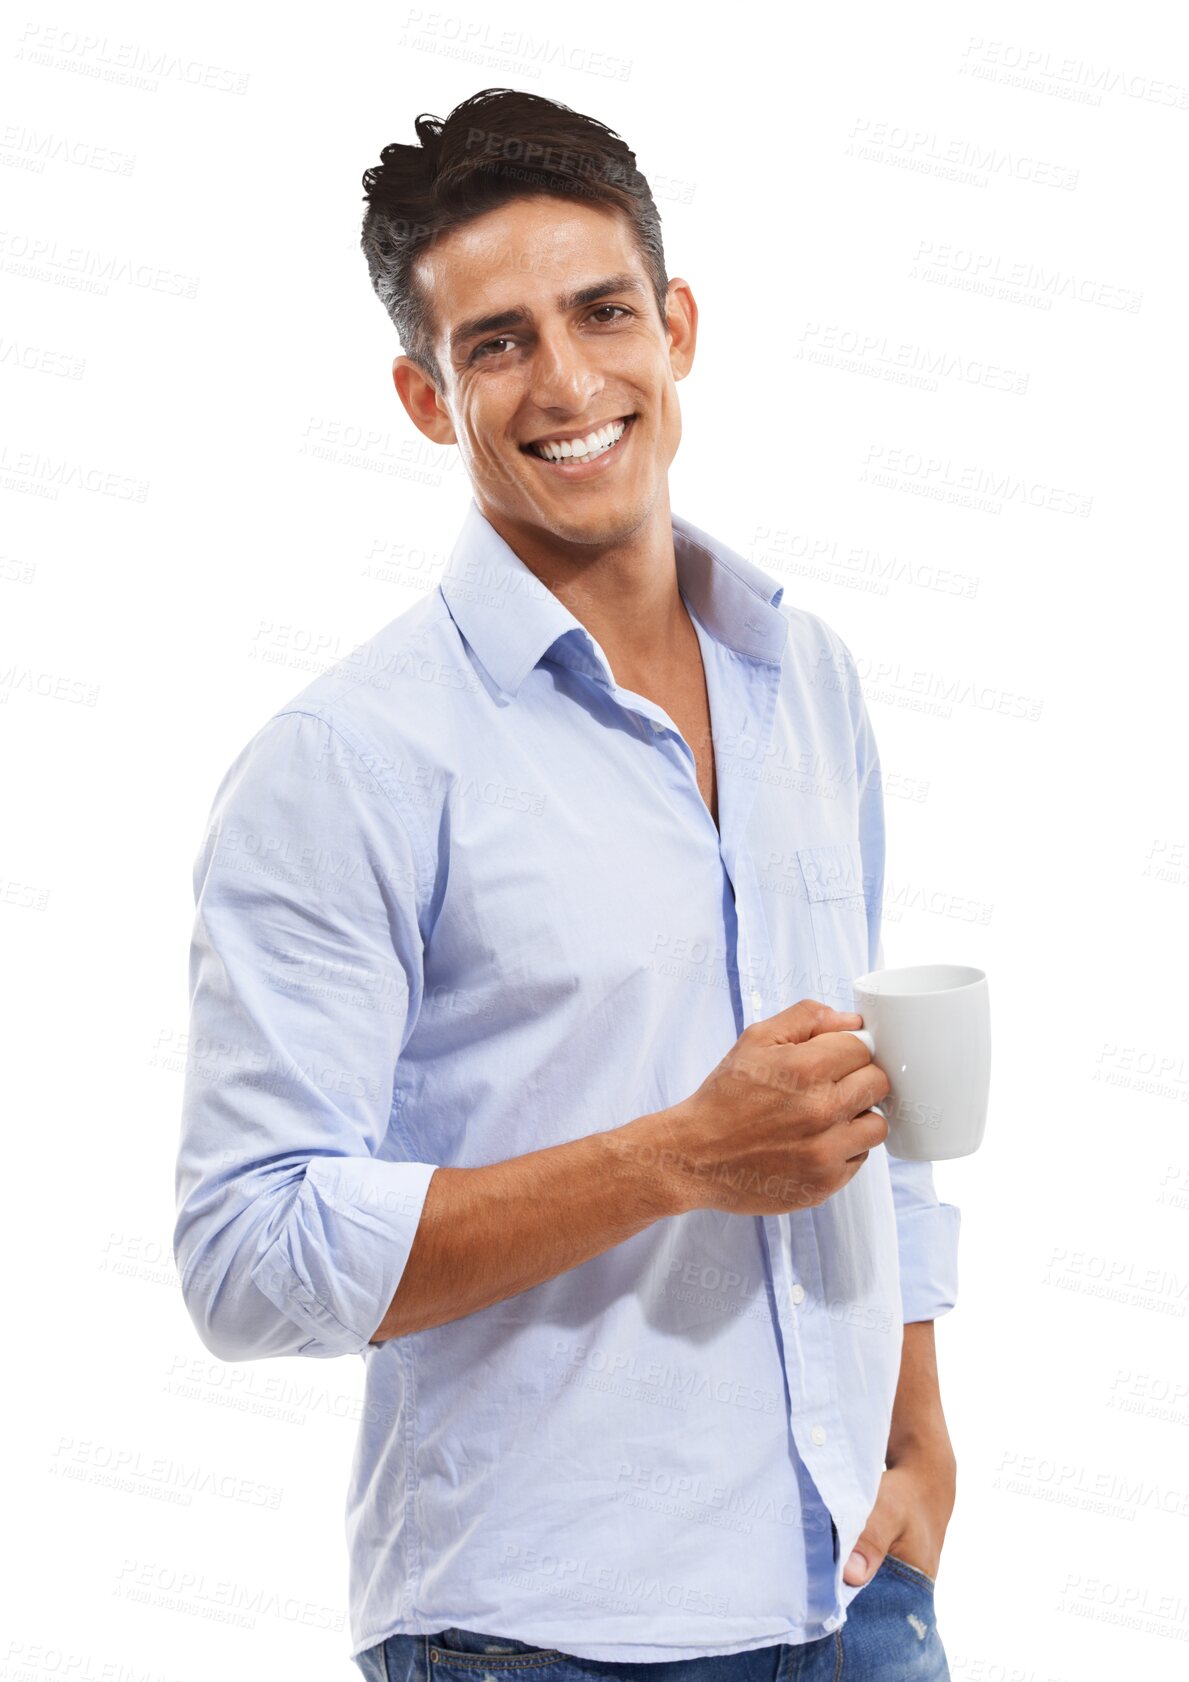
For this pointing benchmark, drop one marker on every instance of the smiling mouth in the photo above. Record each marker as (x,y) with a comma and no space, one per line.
(571,466)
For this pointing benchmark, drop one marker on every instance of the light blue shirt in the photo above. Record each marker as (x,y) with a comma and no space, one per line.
(461,899)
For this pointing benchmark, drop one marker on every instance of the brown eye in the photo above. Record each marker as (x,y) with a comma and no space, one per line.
(482,349)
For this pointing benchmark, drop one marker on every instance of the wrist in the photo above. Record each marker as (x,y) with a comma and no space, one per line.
(918,1428)
(648,1152)
(931,1468)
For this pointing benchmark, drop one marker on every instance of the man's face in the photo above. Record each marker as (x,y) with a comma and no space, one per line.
(546,328)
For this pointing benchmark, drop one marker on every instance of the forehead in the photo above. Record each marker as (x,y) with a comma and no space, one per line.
(523,254)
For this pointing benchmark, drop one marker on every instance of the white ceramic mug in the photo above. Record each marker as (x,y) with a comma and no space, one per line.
(928,1026)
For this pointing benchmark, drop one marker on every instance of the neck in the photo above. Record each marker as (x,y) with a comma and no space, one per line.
(622,588)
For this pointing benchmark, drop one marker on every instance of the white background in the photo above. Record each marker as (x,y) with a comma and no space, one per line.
(210,491)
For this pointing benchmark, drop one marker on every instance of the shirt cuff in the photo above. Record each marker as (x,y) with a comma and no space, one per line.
(928,1237)
(335,1265)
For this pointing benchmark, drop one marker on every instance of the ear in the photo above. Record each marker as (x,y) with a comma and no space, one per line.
(682,330)
(422,401)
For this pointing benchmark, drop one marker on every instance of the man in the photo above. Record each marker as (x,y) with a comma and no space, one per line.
(526,934)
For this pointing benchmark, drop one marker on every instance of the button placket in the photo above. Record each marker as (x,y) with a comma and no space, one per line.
(655,728)
(744,960)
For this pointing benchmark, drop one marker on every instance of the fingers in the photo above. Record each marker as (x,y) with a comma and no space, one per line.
(861,1088)
(836,1054)
(867,1130)
(805,1020)
(810,1073)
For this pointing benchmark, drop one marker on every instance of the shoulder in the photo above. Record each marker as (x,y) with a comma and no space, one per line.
(357,686)
(361,734)
(811,635)
(821,667)
(389,700)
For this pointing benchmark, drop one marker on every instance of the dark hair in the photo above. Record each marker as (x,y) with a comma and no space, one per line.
(496,146)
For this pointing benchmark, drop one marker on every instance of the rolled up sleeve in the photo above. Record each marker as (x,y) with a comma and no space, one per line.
(296,1205)
(927,1229)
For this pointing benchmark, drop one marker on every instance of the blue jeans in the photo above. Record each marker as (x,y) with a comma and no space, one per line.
(890,1635)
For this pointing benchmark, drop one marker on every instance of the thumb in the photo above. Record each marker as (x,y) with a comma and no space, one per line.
(866,1558)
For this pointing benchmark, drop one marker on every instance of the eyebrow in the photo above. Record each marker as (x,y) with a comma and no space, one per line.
(480,324)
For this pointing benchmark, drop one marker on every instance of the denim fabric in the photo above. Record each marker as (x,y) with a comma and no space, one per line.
(890,1635)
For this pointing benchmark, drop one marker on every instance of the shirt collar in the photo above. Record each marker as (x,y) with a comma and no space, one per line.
(511,620)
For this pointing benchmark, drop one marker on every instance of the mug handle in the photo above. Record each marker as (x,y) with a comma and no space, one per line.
(868,1039)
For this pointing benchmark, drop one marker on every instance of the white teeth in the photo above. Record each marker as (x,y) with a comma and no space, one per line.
(594,444)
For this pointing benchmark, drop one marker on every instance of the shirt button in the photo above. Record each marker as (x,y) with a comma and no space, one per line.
(818,1435)
(657,726)
(757,999)
(798,1295)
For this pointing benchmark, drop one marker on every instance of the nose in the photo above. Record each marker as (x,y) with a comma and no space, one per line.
(562,379)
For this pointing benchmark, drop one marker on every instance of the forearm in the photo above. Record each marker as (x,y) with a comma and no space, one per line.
(917,1417)
(489,1233)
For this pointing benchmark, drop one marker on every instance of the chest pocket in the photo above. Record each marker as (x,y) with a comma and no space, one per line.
(835,893)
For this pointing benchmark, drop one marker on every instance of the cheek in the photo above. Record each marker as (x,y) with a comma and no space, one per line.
(469,424)
(488,451)
(485,423)
(670,417)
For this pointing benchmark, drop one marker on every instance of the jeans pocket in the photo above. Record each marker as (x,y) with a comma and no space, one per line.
(902,1567)
(373,1663)
(472,1652)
